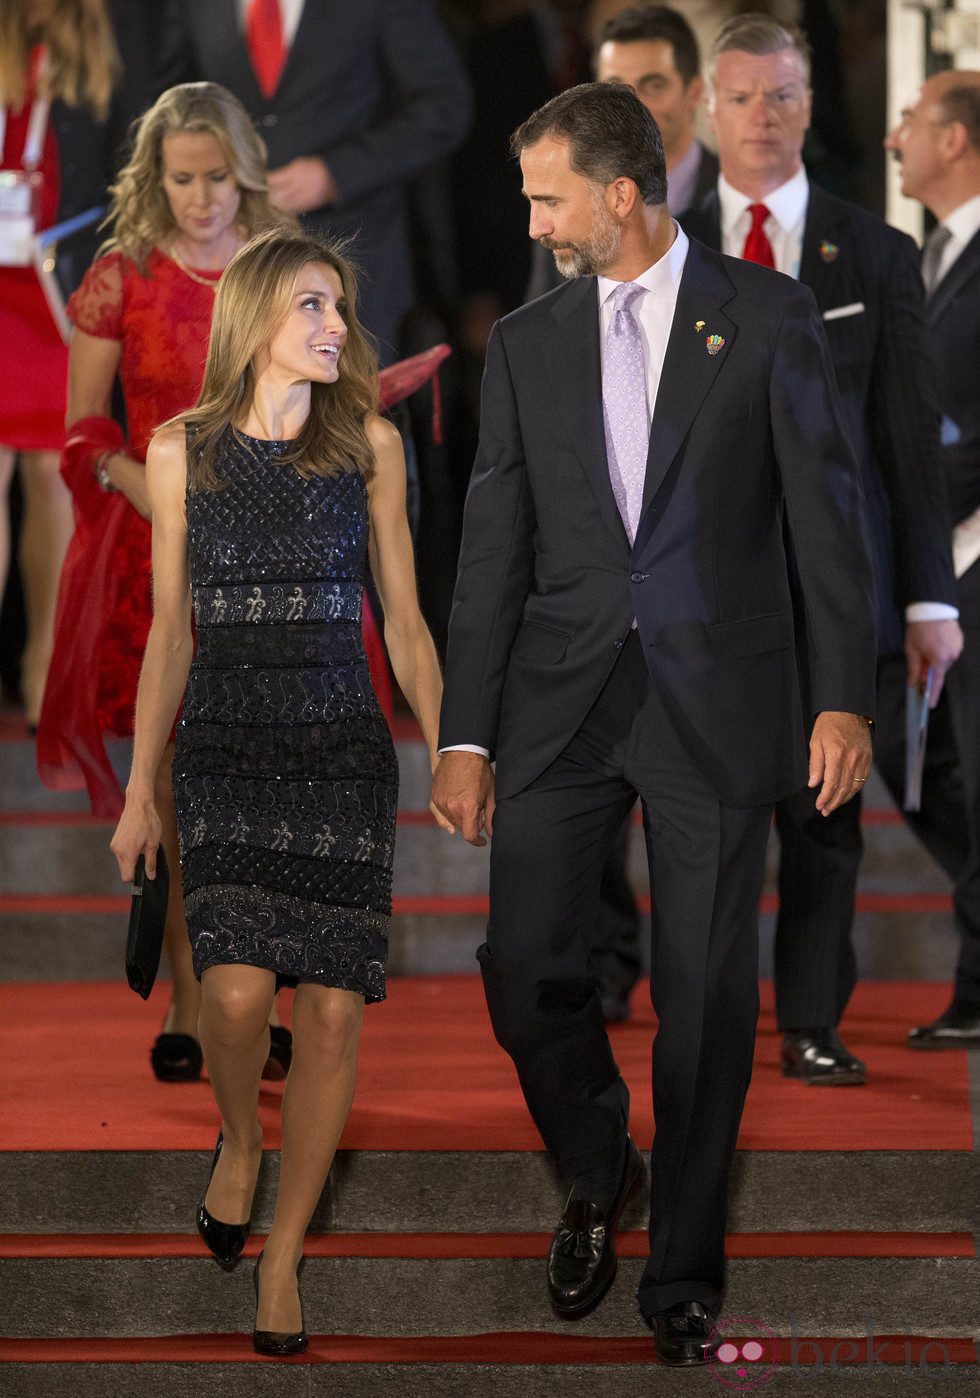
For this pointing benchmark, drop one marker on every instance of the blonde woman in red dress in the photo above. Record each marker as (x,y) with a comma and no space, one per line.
(193,192)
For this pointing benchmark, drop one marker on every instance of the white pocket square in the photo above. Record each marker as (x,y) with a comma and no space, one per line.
(839,312)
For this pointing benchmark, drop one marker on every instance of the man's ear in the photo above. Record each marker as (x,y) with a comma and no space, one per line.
(953,140)
(695,92)
(621,197)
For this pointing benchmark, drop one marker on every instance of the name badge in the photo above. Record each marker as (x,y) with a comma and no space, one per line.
(20,195)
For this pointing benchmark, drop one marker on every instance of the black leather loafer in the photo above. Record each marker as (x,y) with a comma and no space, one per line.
(957,1027)
(582,1256)
(224,1240)
(683,1334)
(277,1344)
(818,1058)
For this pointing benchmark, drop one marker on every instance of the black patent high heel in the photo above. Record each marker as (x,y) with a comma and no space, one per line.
(224,1240)
(277,1343)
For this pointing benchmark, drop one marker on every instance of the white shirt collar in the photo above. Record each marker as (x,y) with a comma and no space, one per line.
(662,278)
(787,204)
(964,222)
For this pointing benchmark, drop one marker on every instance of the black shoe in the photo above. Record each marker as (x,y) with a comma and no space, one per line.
(176,1058)
(276,1342)
(683,1334)
(224,1240)
(280,1053)
(582,1256)
(818,1058)
(957,1027)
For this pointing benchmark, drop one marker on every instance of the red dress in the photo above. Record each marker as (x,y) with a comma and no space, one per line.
(163,321)
(33,356)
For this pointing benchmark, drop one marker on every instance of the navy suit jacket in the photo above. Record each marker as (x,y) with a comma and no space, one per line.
(953,315)
(855,262)
(374,88)
(742,441)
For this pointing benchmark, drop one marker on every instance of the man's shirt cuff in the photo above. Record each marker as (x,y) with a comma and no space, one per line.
(931,611)
(465,747)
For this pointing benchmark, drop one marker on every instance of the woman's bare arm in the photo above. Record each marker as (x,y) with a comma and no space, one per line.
(92,365)
(169,650)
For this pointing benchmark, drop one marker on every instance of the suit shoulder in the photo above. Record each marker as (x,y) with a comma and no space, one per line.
(532,312)
(870,230)
(749,279)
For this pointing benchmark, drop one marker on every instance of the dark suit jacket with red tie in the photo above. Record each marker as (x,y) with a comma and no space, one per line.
(858,266)
(742,440)
(374,88)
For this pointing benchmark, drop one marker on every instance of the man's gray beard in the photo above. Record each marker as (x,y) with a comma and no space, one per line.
(592,258)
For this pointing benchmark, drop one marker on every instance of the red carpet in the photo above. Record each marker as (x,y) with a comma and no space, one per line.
(530,1347)
(481,1245)
(432,1078)
(452,905)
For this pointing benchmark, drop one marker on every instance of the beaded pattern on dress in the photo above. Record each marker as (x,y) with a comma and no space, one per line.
(285,774)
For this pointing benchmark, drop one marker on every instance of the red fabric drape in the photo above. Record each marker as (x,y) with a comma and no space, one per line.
(70,748)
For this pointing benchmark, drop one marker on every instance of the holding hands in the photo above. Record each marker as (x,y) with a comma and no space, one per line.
(462,795)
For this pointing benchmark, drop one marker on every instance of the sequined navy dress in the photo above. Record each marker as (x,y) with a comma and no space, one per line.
(285,775)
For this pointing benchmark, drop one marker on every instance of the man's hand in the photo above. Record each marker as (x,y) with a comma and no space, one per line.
(934,644)
(302,185)
(462,790)
(840,758)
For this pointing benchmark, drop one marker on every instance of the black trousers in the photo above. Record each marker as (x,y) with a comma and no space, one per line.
(964,704)
(815,967)
(706,866)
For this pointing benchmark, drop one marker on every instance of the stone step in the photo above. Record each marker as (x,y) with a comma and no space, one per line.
(442,1378)
(482,1192)
(419,1296)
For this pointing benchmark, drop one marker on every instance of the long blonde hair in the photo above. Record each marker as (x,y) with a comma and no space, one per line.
(253,300)
(83,61)
(140,214)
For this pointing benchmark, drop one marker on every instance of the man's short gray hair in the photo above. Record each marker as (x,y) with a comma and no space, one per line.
(757,33)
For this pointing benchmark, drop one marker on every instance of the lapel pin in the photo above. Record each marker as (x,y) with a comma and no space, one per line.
(829,251)
(699,326)
(715,343)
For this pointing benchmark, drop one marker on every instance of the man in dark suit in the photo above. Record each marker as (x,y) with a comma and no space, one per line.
(938,146)
(352,100)
(623,626)
(865,278)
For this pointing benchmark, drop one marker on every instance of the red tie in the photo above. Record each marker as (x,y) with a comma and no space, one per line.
(757,246)
(263,38)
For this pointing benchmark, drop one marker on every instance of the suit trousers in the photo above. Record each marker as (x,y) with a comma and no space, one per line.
(820,857)
(550,842)
(964,703)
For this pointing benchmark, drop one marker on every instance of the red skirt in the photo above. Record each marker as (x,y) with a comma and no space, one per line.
(33,366)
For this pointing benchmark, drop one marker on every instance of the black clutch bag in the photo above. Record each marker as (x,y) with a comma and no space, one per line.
(147,918)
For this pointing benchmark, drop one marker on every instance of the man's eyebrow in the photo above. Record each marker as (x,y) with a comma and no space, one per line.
(538,198)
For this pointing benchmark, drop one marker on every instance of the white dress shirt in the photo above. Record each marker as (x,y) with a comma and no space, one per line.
(290,11)
(964,224)
(784,227)
(654,313)
(787,207)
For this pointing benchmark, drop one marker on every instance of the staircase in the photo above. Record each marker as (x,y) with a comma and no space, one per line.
(424,1268)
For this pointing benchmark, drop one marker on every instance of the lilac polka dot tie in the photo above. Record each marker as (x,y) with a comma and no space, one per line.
(624,406)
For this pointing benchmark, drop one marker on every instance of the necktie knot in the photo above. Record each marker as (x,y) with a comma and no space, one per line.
(625,295)
(760,213)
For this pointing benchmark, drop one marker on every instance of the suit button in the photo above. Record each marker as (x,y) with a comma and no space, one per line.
(270,120)
(638,577)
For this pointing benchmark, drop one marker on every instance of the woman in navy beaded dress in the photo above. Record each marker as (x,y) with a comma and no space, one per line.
(267,499)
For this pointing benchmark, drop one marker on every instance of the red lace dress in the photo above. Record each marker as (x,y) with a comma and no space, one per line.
(162,321)
(33,356)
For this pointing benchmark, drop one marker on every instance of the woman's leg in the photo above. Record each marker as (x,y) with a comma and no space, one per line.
(185,993)
(319,1090)
(45,532)
(234,1029)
